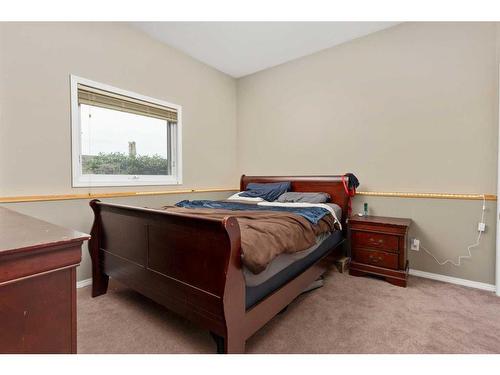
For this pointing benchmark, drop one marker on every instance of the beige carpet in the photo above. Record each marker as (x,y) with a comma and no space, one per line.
(348,315)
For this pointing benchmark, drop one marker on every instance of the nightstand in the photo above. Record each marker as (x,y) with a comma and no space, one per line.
(379,247)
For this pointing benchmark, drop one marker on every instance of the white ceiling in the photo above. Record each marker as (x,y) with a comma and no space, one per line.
(242,48)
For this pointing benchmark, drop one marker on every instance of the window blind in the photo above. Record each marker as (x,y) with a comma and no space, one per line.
(105,99)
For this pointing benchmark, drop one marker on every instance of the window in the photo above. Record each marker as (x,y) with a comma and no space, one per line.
(121,138)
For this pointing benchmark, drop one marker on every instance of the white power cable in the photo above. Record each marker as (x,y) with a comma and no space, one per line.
(469,254)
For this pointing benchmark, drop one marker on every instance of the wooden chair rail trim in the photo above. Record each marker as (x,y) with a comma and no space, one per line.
(488,197)
(118,194)
(61,197)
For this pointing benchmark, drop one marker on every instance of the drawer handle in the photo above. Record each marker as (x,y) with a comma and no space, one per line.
(373,240)
(375,259)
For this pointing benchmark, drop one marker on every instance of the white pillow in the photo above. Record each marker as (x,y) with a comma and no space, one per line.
(236,197)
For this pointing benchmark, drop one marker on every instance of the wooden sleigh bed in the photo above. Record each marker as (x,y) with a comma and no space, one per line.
(192,264)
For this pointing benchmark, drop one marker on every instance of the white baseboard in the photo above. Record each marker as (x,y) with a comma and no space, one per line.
(427,275)
(453,280)
(83,283)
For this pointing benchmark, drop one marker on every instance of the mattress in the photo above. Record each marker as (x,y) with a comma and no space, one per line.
(280,263)
(280,276)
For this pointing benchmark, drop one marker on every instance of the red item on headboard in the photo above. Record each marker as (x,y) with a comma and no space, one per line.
(350,191)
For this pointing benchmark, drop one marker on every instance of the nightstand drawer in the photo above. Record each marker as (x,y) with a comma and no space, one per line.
(376,258)
(381,241)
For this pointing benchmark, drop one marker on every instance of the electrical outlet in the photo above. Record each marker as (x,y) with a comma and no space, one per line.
(481,227)
(415,244)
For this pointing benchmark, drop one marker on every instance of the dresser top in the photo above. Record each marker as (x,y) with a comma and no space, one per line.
(20,232)
(400,222)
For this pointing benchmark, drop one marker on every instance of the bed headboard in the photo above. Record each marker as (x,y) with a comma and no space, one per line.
(325,184)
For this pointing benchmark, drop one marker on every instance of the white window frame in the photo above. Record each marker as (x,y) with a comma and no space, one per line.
(92,180)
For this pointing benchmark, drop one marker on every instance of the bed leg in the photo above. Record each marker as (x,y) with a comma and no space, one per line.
(219,341)
(99,284)
(234,345)
(99,279)
(233,301)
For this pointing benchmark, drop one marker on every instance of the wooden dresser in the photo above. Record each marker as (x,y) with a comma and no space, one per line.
(37,285)
(379,247)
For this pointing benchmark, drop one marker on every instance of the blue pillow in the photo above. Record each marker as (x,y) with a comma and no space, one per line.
(270,192)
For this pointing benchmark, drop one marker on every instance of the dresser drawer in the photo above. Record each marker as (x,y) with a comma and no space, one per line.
(376,258)
(381,241)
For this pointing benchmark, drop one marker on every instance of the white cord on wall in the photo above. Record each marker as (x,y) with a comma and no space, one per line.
(469,254)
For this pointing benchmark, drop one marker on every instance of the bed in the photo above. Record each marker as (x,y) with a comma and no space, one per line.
(192,264)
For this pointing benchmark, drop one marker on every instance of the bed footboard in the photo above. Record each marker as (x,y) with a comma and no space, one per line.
(189,264)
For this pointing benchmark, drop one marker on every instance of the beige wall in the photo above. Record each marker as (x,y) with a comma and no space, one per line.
(446,228)
(410,108)
(36,60)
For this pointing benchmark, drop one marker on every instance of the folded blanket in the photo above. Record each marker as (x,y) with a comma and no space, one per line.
(267,233)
